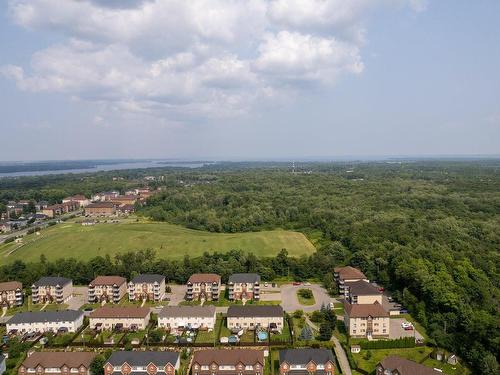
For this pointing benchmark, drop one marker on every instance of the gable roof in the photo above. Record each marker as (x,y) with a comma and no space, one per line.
(45,316)
(59,359)
(305,355)
(204,278)
(10,285)
(251,311)
(100,205)
(120,312)
(187,311)
(52,281)
(349,272)
(362,288)
(229,356)
(363,310)
(160,359)
(108,280)
(148,278)
(406,367)
(244,278)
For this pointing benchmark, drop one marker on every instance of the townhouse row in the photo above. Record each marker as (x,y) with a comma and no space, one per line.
(203,362)
(170,318)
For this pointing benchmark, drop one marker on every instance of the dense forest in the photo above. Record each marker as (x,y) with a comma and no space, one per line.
(428,230)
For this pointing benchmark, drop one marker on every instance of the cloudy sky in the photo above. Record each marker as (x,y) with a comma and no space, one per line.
(248,79)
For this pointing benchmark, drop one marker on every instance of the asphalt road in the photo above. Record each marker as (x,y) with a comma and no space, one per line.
(290,302)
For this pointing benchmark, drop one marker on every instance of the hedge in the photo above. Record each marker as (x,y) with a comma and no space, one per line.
(405,342)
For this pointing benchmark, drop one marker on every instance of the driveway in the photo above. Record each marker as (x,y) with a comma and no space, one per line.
(79,298)
(177,294)
(396,331)
(290,302)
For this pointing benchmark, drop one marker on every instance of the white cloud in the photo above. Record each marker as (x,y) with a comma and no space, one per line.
(191,59)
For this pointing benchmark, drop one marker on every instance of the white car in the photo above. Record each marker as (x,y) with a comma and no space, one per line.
(406,325)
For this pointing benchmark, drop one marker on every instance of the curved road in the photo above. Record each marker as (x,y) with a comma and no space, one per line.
(290,302)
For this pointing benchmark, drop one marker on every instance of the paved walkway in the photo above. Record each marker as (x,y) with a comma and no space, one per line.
(339,351)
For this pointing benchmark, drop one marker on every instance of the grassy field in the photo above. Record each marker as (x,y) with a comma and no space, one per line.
(71,239)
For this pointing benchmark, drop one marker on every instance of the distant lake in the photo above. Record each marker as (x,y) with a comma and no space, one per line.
(114,166)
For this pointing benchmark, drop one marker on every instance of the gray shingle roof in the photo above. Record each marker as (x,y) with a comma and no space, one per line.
(305,355)
(52,281)
(244,278)
(255,311)
(187,311)
(148,278)
(160,359)
(362,288)
(45,316)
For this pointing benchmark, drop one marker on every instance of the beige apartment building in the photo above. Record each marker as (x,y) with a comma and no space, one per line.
(45,321)
(63,363)
(204,286)
(52,290)
(370,320)
(250,317)
(180,317)
(362,292)
(133,318)
(149,287)
(107,289)
(100,209)
(11,294)
(347,274)
(244,286)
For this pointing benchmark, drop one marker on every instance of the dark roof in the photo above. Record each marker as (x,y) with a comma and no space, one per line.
(229,356)
(255,311)
(108,280)
(244,278)
(364,310)
(204,278)
(59,359)
(160,359)
(306,355)
(405,366)
(120,312)
(100,205)
(45,316)
(349,273)
(362,288)
(2,358)
(52,281)
(187,311)
(148,278)
(10,285)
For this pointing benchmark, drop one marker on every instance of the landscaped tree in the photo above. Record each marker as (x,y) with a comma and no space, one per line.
(97,365)
(325,332)
(306,333)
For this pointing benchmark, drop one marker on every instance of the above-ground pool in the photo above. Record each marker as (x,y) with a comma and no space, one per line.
(262,336)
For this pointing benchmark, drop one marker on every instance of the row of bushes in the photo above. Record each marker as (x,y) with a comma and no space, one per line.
(404,342)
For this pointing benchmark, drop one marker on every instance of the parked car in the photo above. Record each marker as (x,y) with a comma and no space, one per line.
(266,284)
(407,326)
(297,283)
(381,289)
(307,283)
(403,311)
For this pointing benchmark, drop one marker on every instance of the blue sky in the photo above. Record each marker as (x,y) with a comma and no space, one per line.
(248,79)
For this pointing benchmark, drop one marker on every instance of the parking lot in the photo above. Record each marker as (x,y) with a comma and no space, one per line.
(397,331)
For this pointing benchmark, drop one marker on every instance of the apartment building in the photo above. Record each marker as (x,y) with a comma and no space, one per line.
(59,209)
(255,316)
(52,289)
(394,365)
(107,288)
(361,292)
(142,363)
(148,287)
(306,361)
(11,294)
(124,199)
(368,320)
(204,286)
(228,362)
(45,321)
(63,363)
(180,317)
(81,199)
(132,318)
(244,286)
(100,209)
(347,274)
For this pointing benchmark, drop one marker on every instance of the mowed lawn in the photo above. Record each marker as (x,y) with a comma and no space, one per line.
(169,241)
